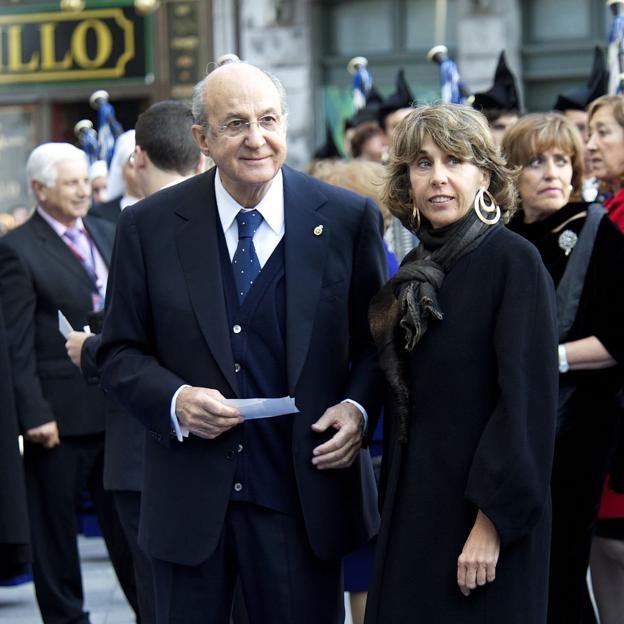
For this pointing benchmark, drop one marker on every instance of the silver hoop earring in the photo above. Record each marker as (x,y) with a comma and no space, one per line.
(487,211)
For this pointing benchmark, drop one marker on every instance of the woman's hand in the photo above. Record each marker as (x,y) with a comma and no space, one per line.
(588,354)
(477,563)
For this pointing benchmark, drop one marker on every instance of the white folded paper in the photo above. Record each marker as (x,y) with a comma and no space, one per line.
(64,325)
(252,409)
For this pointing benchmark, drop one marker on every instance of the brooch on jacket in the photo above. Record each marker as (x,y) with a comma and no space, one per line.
(567,241)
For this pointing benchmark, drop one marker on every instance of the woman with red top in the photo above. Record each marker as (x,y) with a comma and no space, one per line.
(606,148)
(580,247)
(607,557)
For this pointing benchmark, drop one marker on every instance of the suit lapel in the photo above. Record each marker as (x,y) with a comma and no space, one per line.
(198,247)
(52,245)
(306,246)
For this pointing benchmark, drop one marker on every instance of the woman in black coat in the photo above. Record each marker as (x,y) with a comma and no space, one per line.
(584,253)
(466,332)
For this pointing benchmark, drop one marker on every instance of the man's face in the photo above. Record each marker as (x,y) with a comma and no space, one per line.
(247,161)
(394,119)
(500,125)
(68,198)
(98,189)
(579,119)
(129,172)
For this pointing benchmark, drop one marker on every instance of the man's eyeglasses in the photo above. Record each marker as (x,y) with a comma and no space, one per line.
(236,127)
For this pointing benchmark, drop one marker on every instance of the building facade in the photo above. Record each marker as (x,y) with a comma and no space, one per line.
(52,60)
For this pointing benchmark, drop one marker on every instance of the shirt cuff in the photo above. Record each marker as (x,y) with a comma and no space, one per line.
(364,413)
(180,430)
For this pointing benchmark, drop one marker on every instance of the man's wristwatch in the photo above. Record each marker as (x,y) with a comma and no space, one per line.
(564,365)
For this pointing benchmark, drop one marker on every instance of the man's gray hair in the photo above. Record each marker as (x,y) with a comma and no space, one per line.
(41,164)
(199,110)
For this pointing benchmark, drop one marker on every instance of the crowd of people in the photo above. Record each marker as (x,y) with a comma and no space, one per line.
(441,297)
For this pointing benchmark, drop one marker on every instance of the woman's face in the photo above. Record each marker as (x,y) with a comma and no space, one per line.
(444,186)
(606,145)
(544,185)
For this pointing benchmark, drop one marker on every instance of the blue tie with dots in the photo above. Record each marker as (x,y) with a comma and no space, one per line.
(245,262)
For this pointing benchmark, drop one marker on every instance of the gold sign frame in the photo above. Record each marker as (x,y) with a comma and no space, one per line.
(87,17)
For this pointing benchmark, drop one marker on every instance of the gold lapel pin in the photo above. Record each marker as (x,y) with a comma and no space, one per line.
(318,230)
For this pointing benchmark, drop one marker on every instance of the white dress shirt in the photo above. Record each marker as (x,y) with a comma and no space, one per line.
(271,207)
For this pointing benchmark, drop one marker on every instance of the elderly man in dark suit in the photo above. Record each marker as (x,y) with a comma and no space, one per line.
(251,280)
(58,260)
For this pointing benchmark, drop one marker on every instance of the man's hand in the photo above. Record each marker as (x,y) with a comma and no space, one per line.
(74,343)
(342,449)
(46,434)
(200,410)
(477,563)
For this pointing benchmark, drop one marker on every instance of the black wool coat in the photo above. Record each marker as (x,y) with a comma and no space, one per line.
(590,415)
(483,395)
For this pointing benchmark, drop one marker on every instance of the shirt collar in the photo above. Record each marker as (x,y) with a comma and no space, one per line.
(271,206)
(127,200)
(56,225)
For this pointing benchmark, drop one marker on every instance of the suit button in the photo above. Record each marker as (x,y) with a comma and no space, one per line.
(229,455)
(237,329)
(238,487)
(237,367)
(240,448)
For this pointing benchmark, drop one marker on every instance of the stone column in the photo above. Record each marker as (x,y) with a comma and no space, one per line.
(224,27)
(485,27)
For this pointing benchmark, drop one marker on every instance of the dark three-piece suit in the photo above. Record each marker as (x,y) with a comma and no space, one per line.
(173,318)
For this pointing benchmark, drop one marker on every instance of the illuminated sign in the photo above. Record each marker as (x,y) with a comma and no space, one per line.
(89,45)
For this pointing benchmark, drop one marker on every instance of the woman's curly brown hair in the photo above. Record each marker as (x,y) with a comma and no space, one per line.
(457,130)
